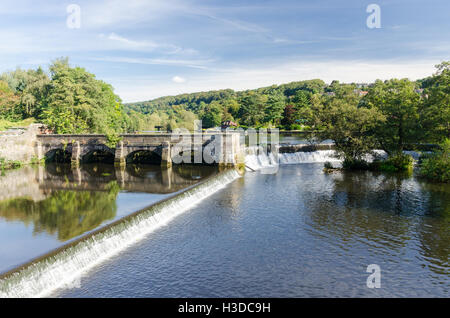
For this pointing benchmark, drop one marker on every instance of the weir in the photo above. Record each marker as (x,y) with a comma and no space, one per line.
(59,268)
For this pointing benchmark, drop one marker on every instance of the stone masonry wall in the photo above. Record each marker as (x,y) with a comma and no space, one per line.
(19,145)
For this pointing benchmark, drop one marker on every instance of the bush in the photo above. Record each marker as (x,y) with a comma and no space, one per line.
(9,164)
(437,166)
(395,163)
(295,127)
(328,165)
(355,164)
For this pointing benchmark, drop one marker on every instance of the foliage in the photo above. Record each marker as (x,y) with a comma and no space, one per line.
(262,107)
(398,101)
(9,164)
(68,99)
(355,164)
(295,127)
(395,163)
(112,139)
(351,127)
(288,115)
(67,214)
(437,166)
(78,103)
(435,109)
(5,124)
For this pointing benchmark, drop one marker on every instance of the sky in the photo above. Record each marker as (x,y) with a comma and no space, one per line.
(151,48)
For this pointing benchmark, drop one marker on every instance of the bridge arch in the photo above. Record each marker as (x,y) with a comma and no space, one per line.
(58,155)
(143,156)
(97,153)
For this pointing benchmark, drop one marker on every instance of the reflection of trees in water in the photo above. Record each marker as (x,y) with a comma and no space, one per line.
(193,172)
(143,157)
(67,213)
(59,156)
(70,201)
(386,211)
(434,230)
(187,172)
(358,205)
(58,169)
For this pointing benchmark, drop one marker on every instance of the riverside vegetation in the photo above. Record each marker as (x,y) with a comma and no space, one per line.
(393,115)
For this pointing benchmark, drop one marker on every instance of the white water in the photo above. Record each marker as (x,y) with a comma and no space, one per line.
(62,269)
(260,161)
(255,160)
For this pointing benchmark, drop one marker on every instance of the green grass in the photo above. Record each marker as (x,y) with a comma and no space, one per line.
(9,164)
(5,124)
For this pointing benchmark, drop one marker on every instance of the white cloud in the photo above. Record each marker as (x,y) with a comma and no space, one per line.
(200,64)
(178,79)
(131,43)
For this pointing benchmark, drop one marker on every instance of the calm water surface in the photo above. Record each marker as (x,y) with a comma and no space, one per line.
(42,208)
(299,233)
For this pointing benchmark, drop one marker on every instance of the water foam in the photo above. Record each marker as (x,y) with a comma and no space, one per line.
(63,268)
(258,160)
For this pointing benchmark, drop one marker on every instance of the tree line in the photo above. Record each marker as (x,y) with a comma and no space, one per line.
(391,115)
(388,113)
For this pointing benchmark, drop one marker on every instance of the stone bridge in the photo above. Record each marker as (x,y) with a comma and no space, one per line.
(79,146)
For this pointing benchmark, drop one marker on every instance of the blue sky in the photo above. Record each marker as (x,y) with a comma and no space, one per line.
(149,48)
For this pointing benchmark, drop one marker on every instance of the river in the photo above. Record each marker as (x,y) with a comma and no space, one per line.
(296,233)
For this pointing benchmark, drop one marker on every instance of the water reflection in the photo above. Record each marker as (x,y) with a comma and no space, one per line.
(65,214)
(385,213)
(66,202)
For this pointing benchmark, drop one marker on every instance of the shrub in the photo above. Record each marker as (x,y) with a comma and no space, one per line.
(295,127)
(395,163)
(437,166)
(354,164)
(328,165)
(9,164)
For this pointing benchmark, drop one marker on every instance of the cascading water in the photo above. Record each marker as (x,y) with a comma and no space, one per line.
(62,268)
(258,159)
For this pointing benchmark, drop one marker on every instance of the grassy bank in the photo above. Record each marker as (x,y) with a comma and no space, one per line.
(6,164)
(6,124)
(10,164)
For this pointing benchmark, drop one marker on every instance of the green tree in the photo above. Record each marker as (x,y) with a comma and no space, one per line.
(350,127)
(211,115)
(274,108)
(8,102)
(398,102)
(78,102)
(435,108)
(251,112)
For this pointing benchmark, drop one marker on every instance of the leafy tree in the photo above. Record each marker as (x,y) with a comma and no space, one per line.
(350,127)
(398,101)
(8,102)
(31,87)
(252,109)
(274,108)
(211,115)
(78,102)
(435,108)
(288,115)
